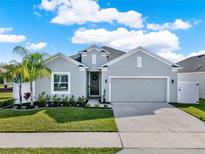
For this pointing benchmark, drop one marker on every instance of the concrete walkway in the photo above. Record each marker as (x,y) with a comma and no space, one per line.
(33,140)
(162,151)
(157,125)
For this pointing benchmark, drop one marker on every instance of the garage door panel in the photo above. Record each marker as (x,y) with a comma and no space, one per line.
(138,90)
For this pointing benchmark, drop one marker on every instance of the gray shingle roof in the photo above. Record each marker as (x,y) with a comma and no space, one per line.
(193,64)
(76,57)
(113,53)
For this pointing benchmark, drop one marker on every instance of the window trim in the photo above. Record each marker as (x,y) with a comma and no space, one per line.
(139,62)
(52,83)
(94,59)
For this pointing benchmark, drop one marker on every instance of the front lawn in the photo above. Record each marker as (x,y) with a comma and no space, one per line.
(59,150)
(197,110)
(5,95)
(57,120)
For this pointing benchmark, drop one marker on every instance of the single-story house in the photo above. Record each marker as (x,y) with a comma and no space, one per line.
(2,71)
(193,70)
(111,75)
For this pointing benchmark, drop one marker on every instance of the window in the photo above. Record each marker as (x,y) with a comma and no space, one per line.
(139,62)
(93,59)
(60,83)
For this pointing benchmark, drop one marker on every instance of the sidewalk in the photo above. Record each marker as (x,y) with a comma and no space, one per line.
(78,139)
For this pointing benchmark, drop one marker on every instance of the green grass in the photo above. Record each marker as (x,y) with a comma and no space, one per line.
(57,120)
(197,110)
(5,95)
(59,150)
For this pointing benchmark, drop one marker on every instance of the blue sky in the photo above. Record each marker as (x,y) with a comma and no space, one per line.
(174,29)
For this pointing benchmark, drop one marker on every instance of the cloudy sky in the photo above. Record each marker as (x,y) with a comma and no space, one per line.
(174,29)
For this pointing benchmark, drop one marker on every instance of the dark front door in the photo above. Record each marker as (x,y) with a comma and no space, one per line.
(94,84)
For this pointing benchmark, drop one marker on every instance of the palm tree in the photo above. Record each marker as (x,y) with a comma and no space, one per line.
(33,66)
(16,72)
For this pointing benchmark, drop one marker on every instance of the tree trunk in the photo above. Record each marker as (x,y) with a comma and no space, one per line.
(20,93)
(31,91)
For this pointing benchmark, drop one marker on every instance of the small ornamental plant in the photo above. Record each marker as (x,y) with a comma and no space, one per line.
(27,95)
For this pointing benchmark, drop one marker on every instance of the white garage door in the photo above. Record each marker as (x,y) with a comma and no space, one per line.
(139,90)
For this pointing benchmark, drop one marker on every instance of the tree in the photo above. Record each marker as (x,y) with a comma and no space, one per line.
(16,72)
(33,66)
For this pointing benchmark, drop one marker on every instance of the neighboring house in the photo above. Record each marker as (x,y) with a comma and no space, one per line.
(111,75)
(3,70)
(193,69)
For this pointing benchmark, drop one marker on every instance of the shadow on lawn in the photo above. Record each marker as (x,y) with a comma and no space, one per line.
(199,106)
(16,113)
(63,115)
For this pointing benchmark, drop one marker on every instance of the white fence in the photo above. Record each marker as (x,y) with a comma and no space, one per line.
(25,89)
(188,92)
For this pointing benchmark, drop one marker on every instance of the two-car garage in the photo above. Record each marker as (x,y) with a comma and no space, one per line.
(138,89)
(139,76)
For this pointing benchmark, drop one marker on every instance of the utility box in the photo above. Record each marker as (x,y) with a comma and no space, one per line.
(188,92)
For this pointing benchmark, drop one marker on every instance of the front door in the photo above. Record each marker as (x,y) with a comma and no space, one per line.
(94,84)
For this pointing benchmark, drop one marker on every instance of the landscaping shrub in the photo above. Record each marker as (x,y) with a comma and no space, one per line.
(6,102)
(41,102)
(72,101)
(82,101)
(47,98)
(56,101)
(66,101)
(97,105)
(88,105)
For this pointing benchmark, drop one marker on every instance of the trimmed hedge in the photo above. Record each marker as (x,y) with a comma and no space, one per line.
(6,102)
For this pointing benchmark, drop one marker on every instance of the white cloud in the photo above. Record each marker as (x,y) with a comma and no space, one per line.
(172,56)
(176,57)
(10,38)
(5,29)
(121,38)
(164,43)
(37,14)
(36,46)
(51,5)
(83,11)
(196,21)
(196,53)
(176,25)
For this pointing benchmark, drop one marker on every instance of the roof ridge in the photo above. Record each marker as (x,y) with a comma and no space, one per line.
(112,48)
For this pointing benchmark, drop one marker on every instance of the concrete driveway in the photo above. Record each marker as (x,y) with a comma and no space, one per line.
(157,125)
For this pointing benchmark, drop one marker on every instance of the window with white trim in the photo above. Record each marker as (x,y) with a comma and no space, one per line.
(94,61)
(60,82)
(139,62)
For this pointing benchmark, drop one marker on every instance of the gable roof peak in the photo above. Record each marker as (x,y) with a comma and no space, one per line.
(140,48)
(62,55)
(93,47)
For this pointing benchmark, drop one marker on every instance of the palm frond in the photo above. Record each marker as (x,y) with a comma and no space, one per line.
(22,51)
